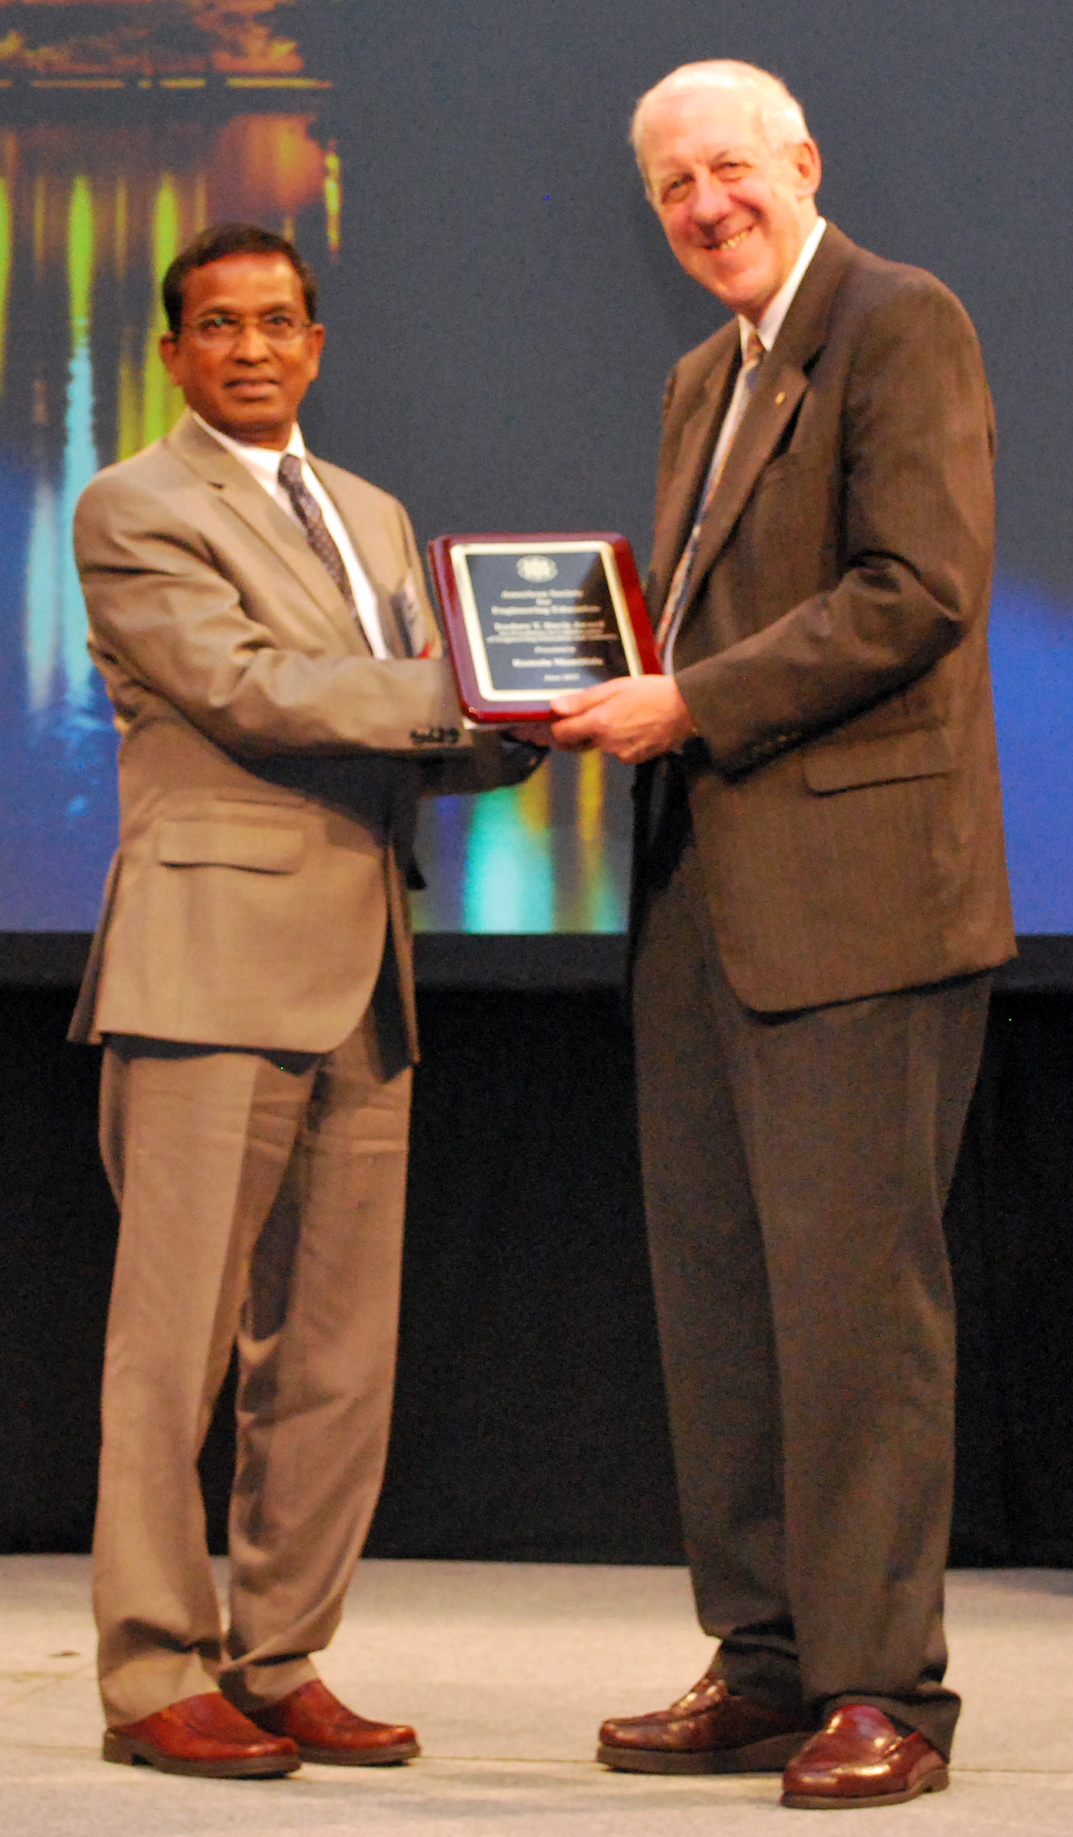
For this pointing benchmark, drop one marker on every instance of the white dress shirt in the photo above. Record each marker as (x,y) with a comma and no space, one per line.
(767,331)
(262,463)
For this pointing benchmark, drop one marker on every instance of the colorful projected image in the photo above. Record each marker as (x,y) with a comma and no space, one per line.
(125,126)
(147,38)
(552,855)
(125,129)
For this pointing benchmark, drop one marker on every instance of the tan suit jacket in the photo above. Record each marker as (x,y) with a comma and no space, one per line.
(833,650)
(269,765)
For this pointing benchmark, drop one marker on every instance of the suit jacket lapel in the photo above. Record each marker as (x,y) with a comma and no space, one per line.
(778,391)
(691,466)
(251,503)
(782,382)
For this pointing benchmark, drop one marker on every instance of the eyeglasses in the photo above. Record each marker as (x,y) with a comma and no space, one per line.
(223,329)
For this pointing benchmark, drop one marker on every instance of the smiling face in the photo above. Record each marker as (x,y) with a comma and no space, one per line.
(248,386)
(736,213)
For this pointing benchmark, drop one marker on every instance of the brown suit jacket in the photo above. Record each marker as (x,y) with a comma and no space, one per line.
(832,653)
(269,765)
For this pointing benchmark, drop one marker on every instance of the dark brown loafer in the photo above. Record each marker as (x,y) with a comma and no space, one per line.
(202,1735)
(706,1731)
(324,1729)
(859,1758)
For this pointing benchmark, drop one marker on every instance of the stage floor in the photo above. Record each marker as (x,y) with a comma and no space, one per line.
(506,1669)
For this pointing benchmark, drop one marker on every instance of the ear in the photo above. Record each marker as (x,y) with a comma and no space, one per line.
(805,159)
(169,353)
(314,348)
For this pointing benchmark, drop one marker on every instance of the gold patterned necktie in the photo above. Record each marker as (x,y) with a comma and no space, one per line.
(750,365)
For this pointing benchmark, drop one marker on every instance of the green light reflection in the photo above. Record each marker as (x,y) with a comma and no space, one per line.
(79,453)
(5,268)
(509,873)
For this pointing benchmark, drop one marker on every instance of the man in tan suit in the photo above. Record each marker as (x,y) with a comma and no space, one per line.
(821,894)
(261,622)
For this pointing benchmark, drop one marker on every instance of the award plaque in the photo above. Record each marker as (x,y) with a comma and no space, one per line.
(529,617)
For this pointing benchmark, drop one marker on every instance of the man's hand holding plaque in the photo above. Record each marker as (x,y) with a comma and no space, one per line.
(633,719)
(532,619)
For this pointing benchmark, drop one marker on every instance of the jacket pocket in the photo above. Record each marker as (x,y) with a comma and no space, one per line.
(267,848)
(882,759)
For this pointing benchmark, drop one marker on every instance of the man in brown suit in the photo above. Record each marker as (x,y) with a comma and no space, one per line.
(261,622)
(821,895)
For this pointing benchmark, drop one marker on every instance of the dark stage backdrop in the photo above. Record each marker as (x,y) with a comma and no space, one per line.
(529,1420)
(502,312)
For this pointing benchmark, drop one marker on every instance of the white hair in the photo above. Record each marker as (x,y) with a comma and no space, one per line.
(779,115)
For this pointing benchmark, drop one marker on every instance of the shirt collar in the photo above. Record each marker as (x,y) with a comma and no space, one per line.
(262,461)
(771,323)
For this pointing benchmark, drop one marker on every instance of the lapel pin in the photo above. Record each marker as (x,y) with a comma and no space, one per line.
(780,398)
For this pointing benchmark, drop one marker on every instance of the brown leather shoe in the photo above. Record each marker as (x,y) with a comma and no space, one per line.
(324,1729)
(203,1735)
(860,1758)
(706,1731)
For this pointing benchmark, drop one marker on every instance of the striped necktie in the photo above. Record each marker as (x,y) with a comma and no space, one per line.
(311,517)
(395,634)
(754,354)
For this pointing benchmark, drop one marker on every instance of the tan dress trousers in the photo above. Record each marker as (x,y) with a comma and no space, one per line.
(261,1204)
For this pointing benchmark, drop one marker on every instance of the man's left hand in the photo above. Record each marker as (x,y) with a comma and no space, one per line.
(633,717)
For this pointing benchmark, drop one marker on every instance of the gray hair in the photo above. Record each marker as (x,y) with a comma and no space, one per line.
(779,115)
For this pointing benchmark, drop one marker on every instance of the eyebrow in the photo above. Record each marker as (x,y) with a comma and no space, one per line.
(661,169)
(232,306)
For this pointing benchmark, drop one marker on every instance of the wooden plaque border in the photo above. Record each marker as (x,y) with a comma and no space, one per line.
(475,702)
